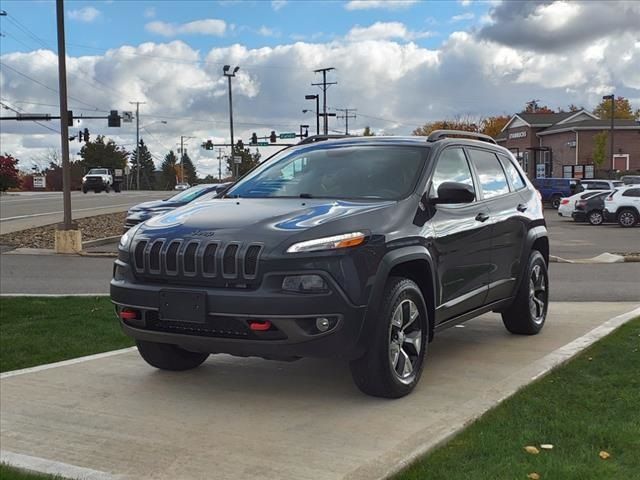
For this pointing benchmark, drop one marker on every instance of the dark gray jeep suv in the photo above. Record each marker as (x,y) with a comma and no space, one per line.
(362,248)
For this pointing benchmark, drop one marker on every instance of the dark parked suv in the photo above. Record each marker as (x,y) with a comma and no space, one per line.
(361,248)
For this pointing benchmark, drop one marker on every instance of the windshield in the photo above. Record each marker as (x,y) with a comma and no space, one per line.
(189,194)
(98,171)
(384,172)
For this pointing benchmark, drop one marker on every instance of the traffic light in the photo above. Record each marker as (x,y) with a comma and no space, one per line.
(240,145)
(209,145)
(254,138)
(69,118)
(85,135)
(272,137)
(80,136)
(306,132)
(113,120)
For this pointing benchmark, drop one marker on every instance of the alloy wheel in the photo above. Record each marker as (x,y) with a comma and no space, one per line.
(405,340)
(537,294)
(595,218)
(627,219)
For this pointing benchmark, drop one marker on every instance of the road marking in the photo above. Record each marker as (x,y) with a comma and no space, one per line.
(42,465)
(65,363)
(57,213)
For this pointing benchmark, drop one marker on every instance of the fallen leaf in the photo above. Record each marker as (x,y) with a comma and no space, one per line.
(532,450)
(534,476)
(546,446)
(604,455)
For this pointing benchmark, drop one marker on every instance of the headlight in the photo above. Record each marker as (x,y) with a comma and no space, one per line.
(125,240)
(329,243)
(84,179)
(304,284)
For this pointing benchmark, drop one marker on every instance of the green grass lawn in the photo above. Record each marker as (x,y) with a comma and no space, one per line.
(592,404)
(10,473)
(34,331)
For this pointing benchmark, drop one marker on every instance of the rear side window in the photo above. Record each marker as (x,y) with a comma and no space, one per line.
(452,166)
(512,172)
(632,192)
(493,180)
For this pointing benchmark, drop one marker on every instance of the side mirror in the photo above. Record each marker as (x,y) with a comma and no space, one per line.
(222,187)
(454,192)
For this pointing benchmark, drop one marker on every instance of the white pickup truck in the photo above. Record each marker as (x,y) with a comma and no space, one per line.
(99,179)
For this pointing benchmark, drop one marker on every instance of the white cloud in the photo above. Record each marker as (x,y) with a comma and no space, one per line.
(84,14)
(463,17)
(278,4)
(465,3)
(379,4)
(267,32)
(384,31)
(150,12)
(208,26)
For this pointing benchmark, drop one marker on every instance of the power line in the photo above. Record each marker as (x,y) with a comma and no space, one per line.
(324,86)
(346,117)
(34,121)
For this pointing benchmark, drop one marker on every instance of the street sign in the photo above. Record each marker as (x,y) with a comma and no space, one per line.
(259,144)
(127,117)
(287,135)
(237,159)
(39,181)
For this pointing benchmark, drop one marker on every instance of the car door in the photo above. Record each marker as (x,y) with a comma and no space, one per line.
(508,220)
(462,241)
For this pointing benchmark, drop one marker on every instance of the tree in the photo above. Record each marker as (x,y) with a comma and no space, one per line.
(599,148)
(147,167)
(367,132)
(492,126)
(101,154)
(190,175)
(533,107)
(169,171)
(623,109)
(466,124)
(249,160)
(9,176)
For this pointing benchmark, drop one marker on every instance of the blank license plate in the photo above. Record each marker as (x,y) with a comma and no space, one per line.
(183,306)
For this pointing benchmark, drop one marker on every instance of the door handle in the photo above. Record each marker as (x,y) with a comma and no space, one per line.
(521,207)
(482,217)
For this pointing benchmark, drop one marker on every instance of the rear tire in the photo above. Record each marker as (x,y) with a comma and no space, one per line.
(627,218)
(528,312)
(555,201)
(595,217)
(169,357)
(397,344)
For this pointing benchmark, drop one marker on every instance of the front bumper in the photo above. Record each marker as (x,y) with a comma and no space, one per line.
(579,216)
(609,216)
(229,311)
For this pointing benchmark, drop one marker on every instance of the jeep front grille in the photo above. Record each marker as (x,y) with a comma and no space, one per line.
(195,261)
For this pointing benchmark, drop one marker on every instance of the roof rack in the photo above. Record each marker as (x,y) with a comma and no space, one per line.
(440,134)
(321,138)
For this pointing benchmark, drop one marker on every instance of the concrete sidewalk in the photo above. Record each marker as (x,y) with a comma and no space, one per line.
(254,419)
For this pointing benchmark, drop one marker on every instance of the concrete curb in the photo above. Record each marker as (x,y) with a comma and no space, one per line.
(50,251)
(101,241)
(603,258)
(425,442)
(51,467)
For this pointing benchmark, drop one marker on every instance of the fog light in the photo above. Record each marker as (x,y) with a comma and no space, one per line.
(304,284)
(322,324)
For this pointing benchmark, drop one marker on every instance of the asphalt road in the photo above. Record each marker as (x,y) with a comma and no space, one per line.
(30,209)
(70,274)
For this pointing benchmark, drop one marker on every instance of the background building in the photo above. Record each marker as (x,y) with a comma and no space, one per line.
(565,144)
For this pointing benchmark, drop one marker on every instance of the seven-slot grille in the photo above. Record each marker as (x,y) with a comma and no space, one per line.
(230,263)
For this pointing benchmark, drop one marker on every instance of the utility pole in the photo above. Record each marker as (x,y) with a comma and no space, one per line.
(182,139)
(324,86)
(220,150)
(137,104)
(611,97)
(64,127)
(346,117)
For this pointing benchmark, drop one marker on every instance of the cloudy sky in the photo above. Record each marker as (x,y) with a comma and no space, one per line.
(399,63)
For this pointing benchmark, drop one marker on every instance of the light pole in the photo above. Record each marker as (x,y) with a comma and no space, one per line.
(306,130)
(182,139)
(137,104)
(225,72)
(613,111)
(317,99)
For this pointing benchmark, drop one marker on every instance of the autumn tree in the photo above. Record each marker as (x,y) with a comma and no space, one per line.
(147,167)
(367,132)
(492,126)
(466,124)
(101,153)
(9,175)
(169,171)
(599,148)
(534,107)
(622,109)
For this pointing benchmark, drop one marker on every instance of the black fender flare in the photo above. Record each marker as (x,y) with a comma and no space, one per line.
(389,261)
(533,234)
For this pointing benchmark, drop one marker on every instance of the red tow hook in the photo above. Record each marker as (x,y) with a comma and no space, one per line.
(260,325)
(128,314)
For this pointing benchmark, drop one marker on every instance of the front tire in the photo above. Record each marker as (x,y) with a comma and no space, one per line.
(595,217)
(169,357)
(555,201)
(627,218)
(397,345)
(527,314)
